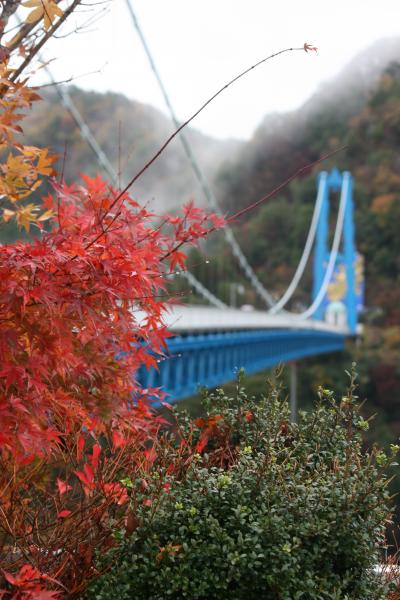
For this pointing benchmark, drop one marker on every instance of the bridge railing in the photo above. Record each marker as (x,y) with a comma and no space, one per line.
(211,359)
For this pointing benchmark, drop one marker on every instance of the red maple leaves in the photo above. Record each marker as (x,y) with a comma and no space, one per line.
(310,48)
(71,338)
(30,584)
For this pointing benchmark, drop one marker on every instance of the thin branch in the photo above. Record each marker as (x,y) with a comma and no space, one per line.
(183,125)
(9,8)
(44,39)
(275,191)
(71,78)
(282,185)
(25,30)
(83,28)
(235,216)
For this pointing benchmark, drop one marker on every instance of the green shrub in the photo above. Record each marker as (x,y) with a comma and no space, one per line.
(269,510)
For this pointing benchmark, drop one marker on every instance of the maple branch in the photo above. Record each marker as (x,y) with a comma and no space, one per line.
(282,185)
(235,216)
(270,195)
(44,39)
(198,111)
(185,123)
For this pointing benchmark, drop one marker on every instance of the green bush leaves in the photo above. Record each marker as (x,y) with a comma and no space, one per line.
(270,510)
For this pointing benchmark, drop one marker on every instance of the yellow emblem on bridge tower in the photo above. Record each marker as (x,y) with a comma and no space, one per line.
(337,289)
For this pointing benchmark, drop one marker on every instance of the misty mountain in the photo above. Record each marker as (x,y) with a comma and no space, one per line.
(285,142)
(129,133)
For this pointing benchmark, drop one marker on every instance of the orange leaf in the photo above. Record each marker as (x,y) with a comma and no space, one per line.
(7,214)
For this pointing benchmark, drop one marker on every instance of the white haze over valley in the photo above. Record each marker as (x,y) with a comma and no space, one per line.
(199,46)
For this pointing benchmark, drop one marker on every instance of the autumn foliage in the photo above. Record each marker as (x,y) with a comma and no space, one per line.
(22,167)
(58,510)
(81,306)
(82,309)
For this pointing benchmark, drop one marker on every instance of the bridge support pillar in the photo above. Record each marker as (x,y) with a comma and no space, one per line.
(350,258)
(321,243)
(293,392)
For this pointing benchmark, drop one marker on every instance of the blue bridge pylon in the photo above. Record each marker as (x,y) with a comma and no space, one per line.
(343,285)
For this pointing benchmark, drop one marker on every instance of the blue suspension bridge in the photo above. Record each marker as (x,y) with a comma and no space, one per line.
(211,342)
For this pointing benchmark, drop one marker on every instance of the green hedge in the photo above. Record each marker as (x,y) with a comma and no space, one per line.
(270,510)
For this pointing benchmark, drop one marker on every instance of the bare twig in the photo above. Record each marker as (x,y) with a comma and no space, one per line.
(190,119)
(71,78)
(282,185)
(270,195)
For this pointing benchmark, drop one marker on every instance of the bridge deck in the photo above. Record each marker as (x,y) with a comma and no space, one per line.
(195,319)
(210,345)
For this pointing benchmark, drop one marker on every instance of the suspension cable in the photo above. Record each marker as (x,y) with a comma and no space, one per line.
(199,287)
(210,197)
(103,161)
(307,248)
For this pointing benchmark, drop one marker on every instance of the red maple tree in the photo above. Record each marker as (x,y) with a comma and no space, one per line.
(81,310)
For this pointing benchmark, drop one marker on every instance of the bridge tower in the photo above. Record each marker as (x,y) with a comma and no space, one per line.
(344,272)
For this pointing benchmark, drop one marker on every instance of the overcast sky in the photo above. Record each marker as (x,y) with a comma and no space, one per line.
(200,45)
